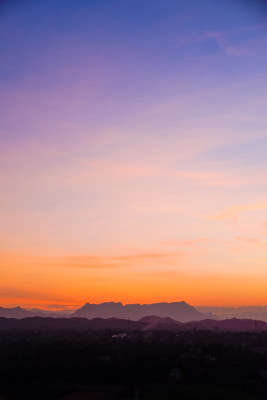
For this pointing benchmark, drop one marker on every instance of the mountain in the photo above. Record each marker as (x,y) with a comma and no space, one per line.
(19,313)
(47,313)
(41,323)
(160,324)
(180,311)
(150,323)
(244,312)
(233,324)
(16,312)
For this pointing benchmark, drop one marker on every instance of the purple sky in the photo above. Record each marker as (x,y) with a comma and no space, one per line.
(133,150)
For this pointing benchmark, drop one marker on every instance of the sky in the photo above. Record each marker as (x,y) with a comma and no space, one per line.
(133,142)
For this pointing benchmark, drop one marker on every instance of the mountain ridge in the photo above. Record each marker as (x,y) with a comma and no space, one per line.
(149,323)
(181,311)
(243,312)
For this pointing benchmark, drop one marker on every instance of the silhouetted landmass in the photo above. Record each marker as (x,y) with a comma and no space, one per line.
(42,323)
(233,324)
(16,312)
(158,323)
(180,311)
(146,323)
(247,312)
(111,364)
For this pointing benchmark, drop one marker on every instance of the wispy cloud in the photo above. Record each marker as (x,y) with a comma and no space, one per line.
(7,292)
(62,306)
(111,261)
(234,211)
(224,39)
(91,261)
(250,241)
(187,243)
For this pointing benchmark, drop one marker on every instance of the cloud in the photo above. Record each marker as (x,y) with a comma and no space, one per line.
(189,243)
(225,39)
(87,261)
(84,261)
(250,241)
(158,209)
(202,177)
(61,306)
(166,273)
(233,212)
(222,39)
(18,293)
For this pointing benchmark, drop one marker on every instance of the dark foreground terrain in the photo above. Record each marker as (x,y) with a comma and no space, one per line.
(112,364)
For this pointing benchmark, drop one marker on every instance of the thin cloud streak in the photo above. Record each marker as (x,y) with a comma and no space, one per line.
(187,243)
(92,261)
(233,212)
(251,241)
(18,293)
(95,262)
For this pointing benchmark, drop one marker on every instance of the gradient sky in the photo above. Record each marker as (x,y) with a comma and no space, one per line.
(133,152)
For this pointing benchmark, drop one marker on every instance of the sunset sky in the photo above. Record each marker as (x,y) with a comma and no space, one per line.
(133,152)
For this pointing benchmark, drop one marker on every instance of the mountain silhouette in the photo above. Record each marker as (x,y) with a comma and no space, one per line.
(243,312)
(16,312)
(42,323)
(158,323)
(149,323)
(19,313)
(233,324)
(180,311)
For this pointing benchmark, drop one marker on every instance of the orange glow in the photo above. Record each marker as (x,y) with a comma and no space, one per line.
(47,281)
(132,153)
